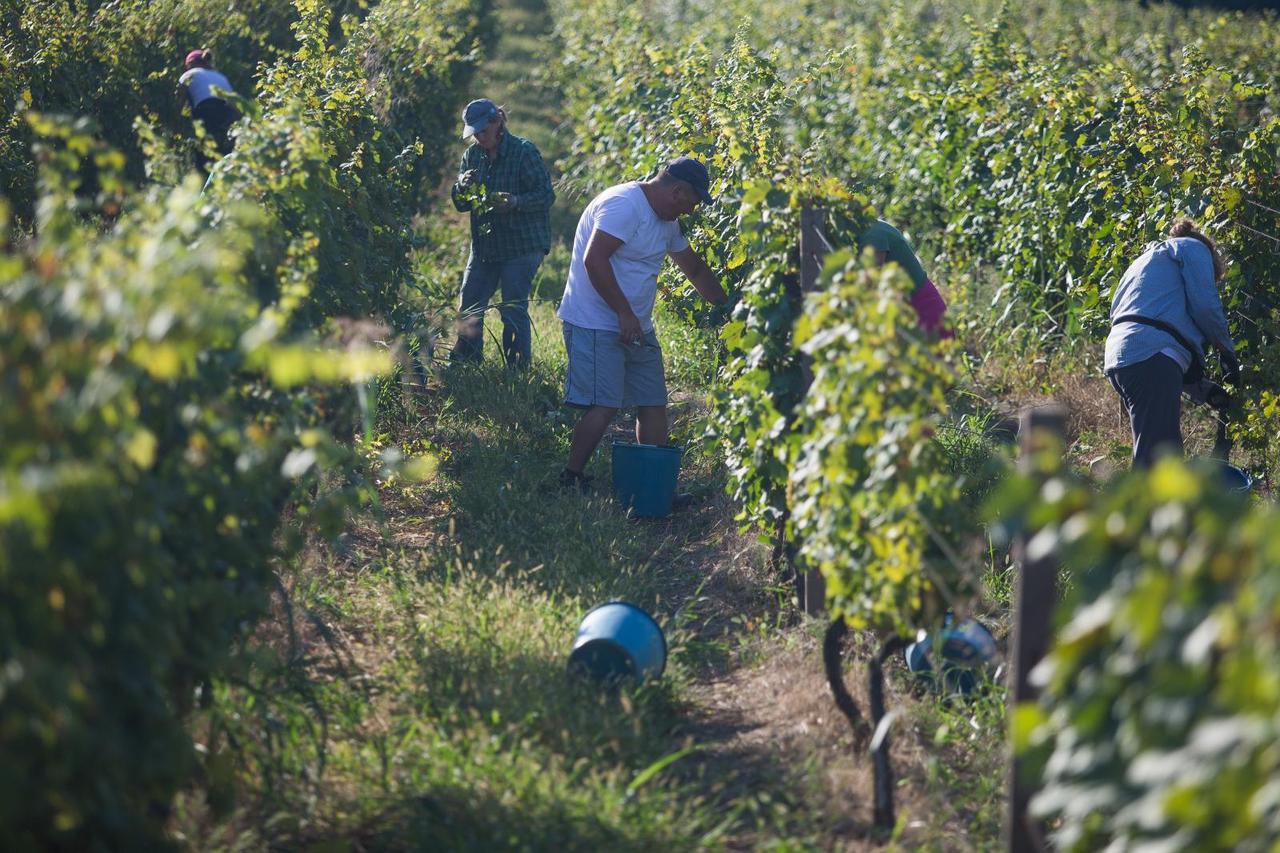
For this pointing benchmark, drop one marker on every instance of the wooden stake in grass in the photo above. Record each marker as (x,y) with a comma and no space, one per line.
(814,246)
(1035,593)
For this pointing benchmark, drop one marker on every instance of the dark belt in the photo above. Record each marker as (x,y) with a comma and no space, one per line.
(1195,372)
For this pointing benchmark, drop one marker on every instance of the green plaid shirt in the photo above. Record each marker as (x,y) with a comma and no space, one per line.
(518,170)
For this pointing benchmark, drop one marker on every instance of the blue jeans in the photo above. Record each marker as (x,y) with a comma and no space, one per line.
(480,281)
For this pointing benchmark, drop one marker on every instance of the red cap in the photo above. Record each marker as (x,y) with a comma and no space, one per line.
(194,56)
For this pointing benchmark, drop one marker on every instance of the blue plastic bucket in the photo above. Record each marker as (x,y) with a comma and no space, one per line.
(964,648)
(1235,479)
(618,641)
(644,477)
(918,656)
(967,644)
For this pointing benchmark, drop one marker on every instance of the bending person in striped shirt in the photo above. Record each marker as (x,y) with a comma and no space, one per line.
(510,231)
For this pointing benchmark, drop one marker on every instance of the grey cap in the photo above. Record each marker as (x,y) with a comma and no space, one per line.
(477,114)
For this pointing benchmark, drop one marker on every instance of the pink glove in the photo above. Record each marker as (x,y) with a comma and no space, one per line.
(929,308)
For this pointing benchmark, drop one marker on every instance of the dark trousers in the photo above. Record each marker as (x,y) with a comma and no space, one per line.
(217,116)
(1152,392)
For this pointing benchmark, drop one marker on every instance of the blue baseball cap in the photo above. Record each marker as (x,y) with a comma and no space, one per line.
(477,114)
(692,172)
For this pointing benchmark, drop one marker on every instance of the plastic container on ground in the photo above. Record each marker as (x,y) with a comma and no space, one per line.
(964,648)
(1235,479)
(644,477)
(618,641)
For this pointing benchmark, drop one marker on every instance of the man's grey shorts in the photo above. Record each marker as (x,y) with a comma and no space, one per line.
(603,371)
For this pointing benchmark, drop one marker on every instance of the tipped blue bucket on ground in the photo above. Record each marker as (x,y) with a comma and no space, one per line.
(1228,476)
(1235,479)
(964,649)
(618,641)
(644,477)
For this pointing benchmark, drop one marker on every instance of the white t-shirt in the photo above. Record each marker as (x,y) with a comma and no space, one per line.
(199,82)
(622,212)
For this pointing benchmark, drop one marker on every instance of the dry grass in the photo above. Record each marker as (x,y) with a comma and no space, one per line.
(773,738)
(1098,434)
(772,725)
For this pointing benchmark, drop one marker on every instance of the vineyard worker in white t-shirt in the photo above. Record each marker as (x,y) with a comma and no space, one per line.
(615,361)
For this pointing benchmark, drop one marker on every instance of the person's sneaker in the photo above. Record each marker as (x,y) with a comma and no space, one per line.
(574,481)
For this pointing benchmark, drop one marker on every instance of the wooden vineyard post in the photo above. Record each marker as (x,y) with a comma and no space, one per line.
(810,586)
(1042,428)
(813,248)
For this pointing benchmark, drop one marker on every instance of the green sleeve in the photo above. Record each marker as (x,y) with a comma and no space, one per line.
(883,237)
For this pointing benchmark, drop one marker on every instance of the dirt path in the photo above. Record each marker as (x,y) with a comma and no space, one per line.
(770,750)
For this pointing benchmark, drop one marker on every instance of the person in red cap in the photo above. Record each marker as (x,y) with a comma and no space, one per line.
(203,87)
(614,359)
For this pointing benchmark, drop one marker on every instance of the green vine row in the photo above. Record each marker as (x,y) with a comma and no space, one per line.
(1160,701)
(171,365)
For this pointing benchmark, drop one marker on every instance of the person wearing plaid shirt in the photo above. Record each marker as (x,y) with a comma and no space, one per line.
(510,231)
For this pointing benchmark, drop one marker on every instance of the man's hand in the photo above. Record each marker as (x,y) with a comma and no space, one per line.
(466,179)
(629,331)
(1231,367)
(503,202)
